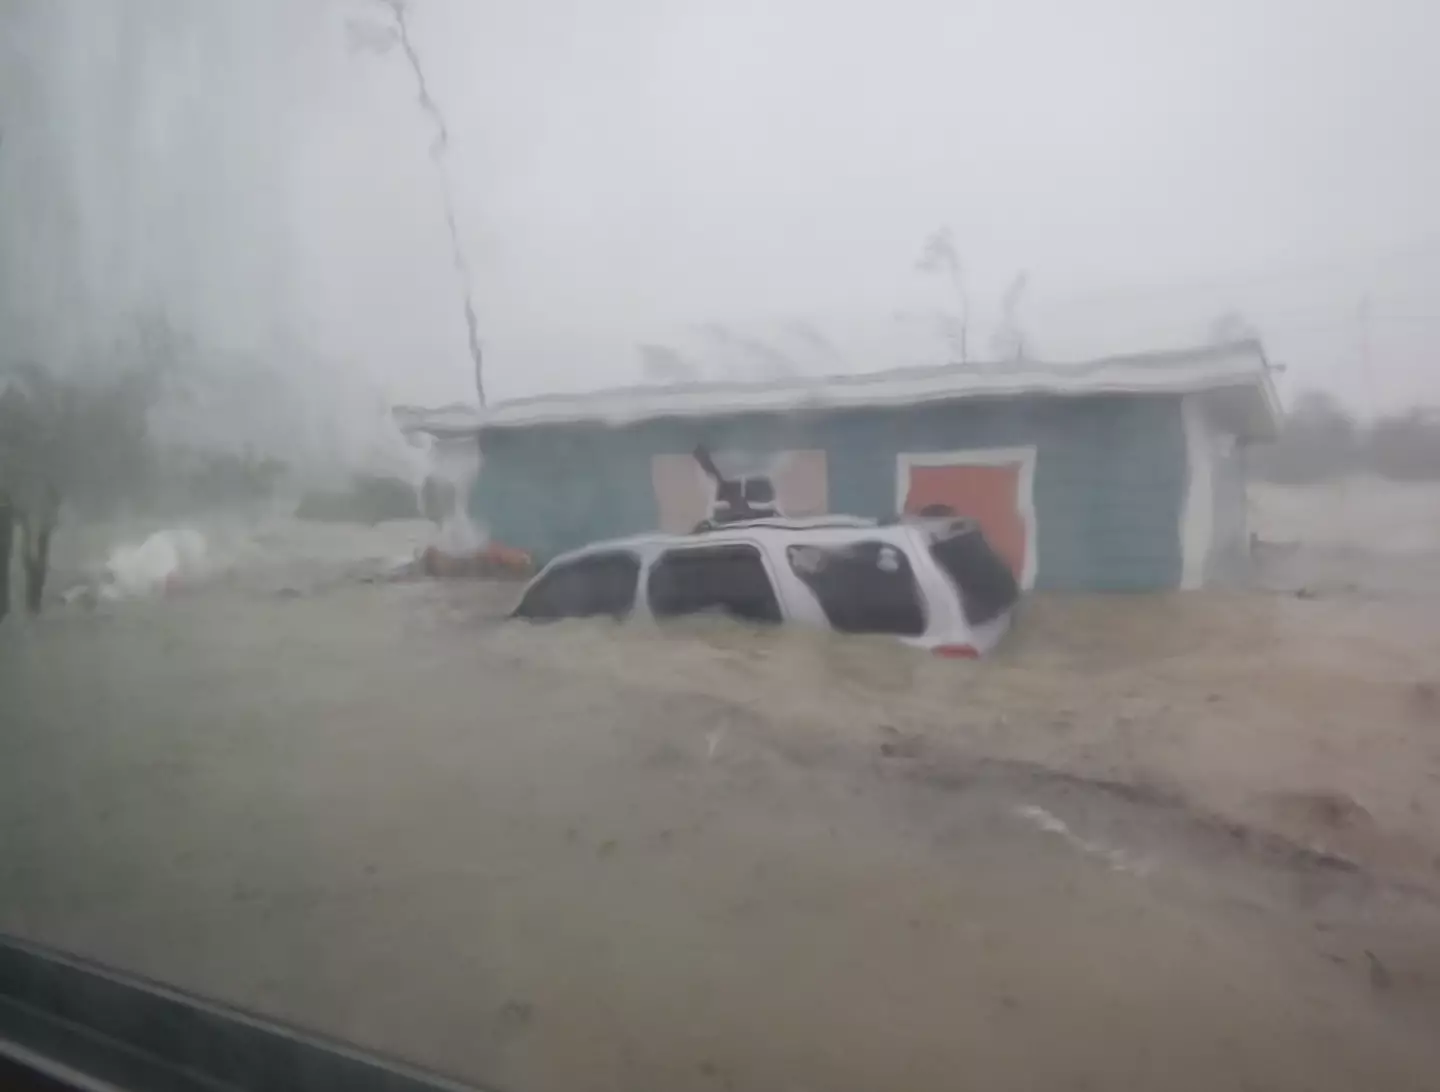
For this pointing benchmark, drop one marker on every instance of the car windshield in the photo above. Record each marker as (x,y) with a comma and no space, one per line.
(720,545)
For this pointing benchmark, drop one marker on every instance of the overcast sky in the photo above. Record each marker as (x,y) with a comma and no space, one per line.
(630,171)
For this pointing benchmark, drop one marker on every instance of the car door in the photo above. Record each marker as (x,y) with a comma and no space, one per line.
(867,585)
(729,577)
(592,585)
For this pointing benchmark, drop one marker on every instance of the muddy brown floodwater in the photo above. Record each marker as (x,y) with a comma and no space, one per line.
(1180,844)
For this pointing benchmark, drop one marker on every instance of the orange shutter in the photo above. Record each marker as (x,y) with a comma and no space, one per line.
(987,494)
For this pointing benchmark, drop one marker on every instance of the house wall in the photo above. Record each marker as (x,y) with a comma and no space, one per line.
(1230,553)
(1110,478)
(1215,529)
(1228,561)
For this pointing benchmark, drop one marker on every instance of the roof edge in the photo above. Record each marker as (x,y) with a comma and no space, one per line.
(1184,371)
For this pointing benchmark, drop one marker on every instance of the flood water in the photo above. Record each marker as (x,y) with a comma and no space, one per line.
(601,857)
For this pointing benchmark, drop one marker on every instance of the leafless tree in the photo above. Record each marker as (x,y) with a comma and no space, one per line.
(939,255)
(1009,342)
(1231,326)
(662,364)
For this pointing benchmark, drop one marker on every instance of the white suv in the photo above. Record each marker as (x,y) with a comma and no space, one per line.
(932,582)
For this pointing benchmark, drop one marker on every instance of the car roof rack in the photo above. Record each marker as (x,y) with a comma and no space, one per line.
(781,523)
(935,526)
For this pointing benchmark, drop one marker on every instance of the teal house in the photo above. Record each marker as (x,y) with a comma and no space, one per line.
(1126,473)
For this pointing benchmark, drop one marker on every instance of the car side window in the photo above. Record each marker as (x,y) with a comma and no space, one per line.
(731,579)
(597,584)
(863,587)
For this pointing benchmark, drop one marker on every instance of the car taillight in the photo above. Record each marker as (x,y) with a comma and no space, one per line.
(957,652)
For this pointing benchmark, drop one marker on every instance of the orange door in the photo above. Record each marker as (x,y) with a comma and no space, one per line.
(989,495)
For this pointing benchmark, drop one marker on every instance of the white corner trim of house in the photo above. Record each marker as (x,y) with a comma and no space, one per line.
(984,456)
(1197,514)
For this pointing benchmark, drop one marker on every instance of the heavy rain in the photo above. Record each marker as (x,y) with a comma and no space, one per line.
(326,327)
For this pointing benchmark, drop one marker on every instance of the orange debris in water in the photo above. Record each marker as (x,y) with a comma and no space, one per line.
(493,560)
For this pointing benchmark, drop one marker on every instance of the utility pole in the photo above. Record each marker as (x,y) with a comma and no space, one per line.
(380,39)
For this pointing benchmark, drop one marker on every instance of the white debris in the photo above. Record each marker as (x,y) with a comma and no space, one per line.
(1117,859)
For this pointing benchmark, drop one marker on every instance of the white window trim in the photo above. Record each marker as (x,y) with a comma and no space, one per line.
(984,456)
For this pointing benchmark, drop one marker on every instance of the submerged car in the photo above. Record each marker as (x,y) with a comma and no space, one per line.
(935,583)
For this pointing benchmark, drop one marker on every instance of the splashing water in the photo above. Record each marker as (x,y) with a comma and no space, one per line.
(457,467)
